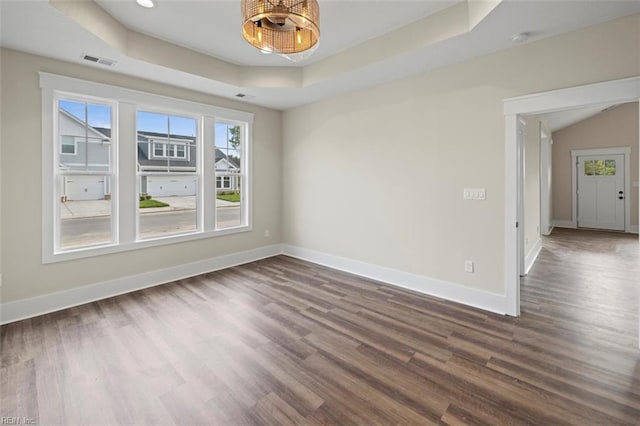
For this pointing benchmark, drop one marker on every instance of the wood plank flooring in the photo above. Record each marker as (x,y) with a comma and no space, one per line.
(281,341)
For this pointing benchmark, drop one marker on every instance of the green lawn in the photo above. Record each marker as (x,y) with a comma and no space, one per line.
(145,204)
(234,197)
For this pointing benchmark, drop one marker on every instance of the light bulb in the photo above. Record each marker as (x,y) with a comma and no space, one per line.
(299,35)
(259,32)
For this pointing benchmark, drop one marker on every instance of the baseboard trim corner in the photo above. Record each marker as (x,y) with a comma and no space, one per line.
(458,293)
(531,257)
(47,303)
(563,223)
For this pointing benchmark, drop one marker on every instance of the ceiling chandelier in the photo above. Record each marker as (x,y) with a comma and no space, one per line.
(281,26)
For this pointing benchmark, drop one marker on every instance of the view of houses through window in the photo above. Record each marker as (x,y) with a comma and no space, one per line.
(84,174)
(228,171)
(169,174)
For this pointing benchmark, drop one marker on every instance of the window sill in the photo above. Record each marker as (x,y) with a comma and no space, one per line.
(101,250)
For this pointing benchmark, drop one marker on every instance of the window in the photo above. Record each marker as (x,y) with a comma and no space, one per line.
(168,150)
(600,167)
(173,186)
(610,167)
(67,144)
(84,174)
(229,171)
(129,169)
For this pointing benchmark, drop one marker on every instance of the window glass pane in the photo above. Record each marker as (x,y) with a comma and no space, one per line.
(84,135)
(171,140)
(588,168)
(610,167)
(228,160)
(599,166)
(168,201)
(167,205)
(85,211)
(99,137)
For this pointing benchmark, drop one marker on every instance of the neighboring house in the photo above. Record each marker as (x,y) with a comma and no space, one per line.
(83,149)
(157,153)
(226,167)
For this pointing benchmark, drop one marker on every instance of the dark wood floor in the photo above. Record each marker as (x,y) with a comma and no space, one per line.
(282,341)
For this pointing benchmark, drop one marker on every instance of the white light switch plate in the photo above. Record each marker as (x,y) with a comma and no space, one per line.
(475,194)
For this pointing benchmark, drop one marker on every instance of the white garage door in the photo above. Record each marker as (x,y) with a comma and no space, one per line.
(85,188)
(170,186)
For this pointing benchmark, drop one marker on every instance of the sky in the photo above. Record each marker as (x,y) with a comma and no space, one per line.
(100,116)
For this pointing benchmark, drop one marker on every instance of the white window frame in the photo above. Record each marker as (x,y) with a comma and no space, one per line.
(244,163)
(197,173)
(124,182)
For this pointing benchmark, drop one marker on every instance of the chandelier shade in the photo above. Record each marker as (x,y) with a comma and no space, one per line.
(281,26)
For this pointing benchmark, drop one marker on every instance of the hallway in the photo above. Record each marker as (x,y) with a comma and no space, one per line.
(583,291)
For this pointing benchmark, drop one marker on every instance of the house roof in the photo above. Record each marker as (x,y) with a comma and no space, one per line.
(146,162)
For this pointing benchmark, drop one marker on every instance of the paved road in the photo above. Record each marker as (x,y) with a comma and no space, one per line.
(95,230)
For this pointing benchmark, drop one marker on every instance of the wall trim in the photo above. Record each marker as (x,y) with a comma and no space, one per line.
(562,223)
(44,304)
(531,257)
(633,229)
(430,286)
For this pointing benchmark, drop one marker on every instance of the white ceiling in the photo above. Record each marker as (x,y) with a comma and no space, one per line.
(560,119)
(341,64)
(213,27)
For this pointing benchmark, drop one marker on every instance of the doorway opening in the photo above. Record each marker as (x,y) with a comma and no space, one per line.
(516,111)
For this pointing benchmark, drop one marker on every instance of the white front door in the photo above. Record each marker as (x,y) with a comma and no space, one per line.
(601,191)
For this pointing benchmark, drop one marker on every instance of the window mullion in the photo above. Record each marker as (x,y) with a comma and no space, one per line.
(127,179)
(208,174)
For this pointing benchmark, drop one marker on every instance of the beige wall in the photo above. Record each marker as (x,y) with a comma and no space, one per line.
(24,274)
(613,128)
(378,175)
(531,183)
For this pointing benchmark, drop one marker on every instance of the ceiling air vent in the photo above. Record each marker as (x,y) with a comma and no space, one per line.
(98,60)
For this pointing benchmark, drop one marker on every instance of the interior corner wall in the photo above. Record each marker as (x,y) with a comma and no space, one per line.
(531,185)
(377,175)
(24,275)
(617,127)
(546,177)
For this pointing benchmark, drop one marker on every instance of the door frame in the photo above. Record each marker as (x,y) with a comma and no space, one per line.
(616,91)
(623,150)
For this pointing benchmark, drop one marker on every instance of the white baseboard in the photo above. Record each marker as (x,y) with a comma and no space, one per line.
(531,257)
(560,223)
(445,290)
(633,229)
(27,308)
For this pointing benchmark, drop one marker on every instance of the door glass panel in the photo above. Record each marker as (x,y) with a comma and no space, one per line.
(588,168)
(599,166)
(610,167)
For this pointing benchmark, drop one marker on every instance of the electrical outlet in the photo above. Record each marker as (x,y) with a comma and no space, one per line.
(468,266)
(266,232)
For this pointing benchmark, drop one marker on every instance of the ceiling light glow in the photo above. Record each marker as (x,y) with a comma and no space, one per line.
(146,3)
